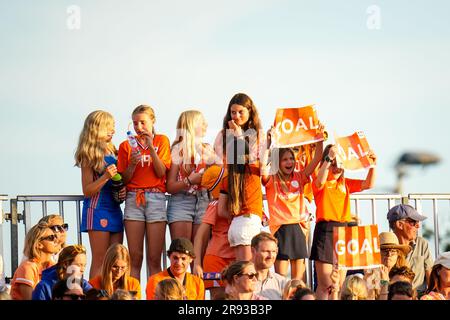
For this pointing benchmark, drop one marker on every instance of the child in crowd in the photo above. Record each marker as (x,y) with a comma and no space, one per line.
(40,245)
(286,203)
(144,173)
(190,156)
(332,198)
(96,155)
(169,289)
(116,272)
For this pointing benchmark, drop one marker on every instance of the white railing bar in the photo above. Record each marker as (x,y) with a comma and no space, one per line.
(429,196)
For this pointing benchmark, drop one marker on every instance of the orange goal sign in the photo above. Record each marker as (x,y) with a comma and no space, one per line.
(353,150)
(296,127)
(356,247)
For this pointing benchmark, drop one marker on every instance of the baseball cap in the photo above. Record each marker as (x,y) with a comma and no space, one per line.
(211,180)
(182,245)
(443,259)
(403,211)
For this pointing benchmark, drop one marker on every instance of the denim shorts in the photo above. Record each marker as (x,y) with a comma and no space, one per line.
(243,228)
(187,207)
(153,211)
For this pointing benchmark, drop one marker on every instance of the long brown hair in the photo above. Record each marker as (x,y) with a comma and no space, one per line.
(237,169)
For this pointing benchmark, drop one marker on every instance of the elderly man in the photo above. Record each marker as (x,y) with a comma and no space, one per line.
(264,251)
(404,221)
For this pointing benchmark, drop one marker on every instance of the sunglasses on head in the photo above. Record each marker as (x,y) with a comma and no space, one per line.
(51,237)
(60,228)
(75,296)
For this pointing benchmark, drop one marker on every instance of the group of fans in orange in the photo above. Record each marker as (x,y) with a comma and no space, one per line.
(215,212)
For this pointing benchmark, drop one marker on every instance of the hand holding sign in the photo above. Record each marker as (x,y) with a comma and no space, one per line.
(354,152)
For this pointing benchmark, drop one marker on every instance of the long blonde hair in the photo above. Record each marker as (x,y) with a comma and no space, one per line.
(354,288)
(115,252)
(186,124)
(91,148)
(32,239)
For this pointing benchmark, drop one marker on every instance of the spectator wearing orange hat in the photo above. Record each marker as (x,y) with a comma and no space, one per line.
(212,234)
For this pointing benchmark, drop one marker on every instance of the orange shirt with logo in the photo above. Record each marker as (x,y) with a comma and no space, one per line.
(131,285)
(194,286)
(286,207)
(144,176)
(253,198)
(333,200)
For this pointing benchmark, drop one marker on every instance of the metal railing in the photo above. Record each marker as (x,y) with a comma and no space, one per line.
(27,214)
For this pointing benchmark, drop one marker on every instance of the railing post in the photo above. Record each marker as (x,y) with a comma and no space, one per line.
(14,236)
(436,228)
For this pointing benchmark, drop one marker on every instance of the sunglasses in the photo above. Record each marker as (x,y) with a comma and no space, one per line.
(51,237)
(75,296)
(251,276)
(60,228)
(411,222)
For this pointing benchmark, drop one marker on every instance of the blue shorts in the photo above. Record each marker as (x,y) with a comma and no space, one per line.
(153,211)
(101,219)
(187,207)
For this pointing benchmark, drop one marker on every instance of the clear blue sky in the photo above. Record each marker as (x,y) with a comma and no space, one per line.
(392,83)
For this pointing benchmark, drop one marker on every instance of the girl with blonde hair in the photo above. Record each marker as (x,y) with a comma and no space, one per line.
(97,158)
(71,263)
(40,245)
(116,272)
(190,156)
(169,289)
(144,173)
(56,223)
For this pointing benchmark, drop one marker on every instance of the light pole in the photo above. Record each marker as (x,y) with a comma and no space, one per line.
(409,159)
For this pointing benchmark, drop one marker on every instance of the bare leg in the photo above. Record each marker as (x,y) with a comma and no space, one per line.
(99,242)
(156,237)
(135,237)
(180,229)
(281,267)
(243,253)
(298,269)
(323,279)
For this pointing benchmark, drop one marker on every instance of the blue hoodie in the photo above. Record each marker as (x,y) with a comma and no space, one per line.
(43,290)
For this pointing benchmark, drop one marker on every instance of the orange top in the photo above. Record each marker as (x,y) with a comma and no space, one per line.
(193,285)
(144,176)
(286,207)
(218,245)
(333,200)
(131,285)
(253,198)
(29,273)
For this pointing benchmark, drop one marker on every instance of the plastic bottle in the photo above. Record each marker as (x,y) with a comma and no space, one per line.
(132,141)
(117,185)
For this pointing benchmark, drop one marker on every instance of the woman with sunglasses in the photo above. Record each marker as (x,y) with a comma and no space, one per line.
(116,272)
(71,263)
(40,245)
(59,228)
(241,278)
(332,198)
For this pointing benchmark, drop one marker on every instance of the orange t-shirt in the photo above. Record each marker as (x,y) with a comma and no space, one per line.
(144,176)
(333,200)
(29,273)
(218,245)
(131,285)
(194,286)
(253,198)
(286,207)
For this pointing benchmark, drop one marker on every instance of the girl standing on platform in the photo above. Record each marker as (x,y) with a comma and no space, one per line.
(144,173)
(97,158)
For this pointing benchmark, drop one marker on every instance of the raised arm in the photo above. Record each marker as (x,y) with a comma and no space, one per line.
(370,179)
(91,187)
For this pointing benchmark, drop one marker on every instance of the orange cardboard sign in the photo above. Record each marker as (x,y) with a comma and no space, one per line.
(353,150)
(356,247)
(296,127)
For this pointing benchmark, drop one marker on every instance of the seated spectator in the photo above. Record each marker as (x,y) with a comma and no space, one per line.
(354,288)
(401,290)
(121,294)
(290,287)
(303,293)
(439,285)
(240,277)
(40,245)
(56,223)
(169,289)
(401,274)
(96,294)
(181,254)
(62,291)
(116,272)
(71,262)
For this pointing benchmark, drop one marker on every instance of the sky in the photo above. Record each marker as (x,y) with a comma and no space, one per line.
(377,66)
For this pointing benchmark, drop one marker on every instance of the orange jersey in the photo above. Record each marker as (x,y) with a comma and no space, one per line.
(28,273)
(144,176)
(286,207)
(253,198)
(333,200)
(194,286)
(131,285)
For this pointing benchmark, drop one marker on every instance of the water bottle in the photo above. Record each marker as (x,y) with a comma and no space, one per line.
(132,141)
(117,185)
